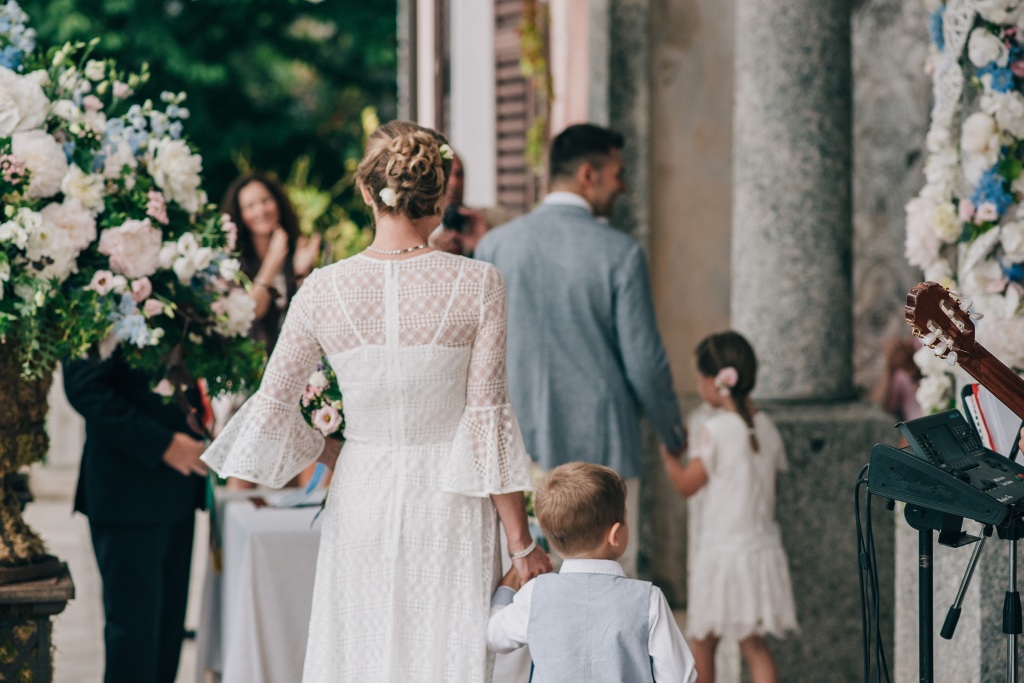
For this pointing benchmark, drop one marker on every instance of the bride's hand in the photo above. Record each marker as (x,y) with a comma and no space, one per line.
(536,563)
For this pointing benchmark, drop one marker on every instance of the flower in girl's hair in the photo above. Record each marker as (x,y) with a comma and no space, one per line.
(726,379)
(389,197)
(447,153)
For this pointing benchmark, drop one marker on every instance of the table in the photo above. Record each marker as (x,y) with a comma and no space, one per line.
(255,614)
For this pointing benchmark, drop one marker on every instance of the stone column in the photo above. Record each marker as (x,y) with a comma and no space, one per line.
(791,296)
(792,216)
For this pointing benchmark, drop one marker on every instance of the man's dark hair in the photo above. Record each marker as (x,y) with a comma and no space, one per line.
(583,142)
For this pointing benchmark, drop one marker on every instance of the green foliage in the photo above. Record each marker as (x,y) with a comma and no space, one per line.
(268,79)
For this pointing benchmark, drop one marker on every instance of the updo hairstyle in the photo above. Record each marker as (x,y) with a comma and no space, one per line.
(406,158)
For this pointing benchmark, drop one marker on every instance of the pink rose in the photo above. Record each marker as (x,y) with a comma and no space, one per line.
(726,379)
(91,103)
(141,289)
(986,212)
(133,248)
(327,420)
(102,282)
(966,210)
(152,307)
(156,207)
(1018,69)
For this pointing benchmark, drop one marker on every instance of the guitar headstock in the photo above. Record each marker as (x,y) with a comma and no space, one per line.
(942,320)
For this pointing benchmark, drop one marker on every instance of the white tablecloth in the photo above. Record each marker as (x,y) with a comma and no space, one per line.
(255,614)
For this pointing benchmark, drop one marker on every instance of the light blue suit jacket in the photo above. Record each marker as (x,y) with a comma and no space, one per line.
(584,353)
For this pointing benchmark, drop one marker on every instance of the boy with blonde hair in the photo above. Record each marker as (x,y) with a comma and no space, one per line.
(588,623)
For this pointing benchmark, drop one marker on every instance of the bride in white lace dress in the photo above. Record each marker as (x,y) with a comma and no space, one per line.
(433,454)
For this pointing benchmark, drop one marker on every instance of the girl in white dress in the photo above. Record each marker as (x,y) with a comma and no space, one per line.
(739,585)
(433,454)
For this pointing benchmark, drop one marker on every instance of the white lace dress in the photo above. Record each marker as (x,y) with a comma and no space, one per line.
(739,581)
(409,550)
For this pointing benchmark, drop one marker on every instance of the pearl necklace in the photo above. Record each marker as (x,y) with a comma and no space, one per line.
(396,252)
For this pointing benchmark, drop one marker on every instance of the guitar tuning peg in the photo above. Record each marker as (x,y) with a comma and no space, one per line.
(951,358)
(977,316)
(955,294)
(941,348)
(930,339)
(966,304)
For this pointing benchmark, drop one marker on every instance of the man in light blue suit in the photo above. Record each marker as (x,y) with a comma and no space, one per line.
(584,354)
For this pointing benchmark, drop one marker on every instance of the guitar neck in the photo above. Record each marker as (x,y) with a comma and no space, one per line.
(992,374)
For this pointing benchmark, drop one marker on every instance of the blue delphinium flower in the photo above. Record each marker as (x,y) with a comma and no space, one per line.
(935,27)
(1014,272)
(10,57)
(992,188)
(1001,78)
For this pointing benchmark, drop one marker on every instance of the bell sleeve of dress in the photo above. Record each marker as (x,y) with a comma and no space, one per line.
(488,456)
(267,441)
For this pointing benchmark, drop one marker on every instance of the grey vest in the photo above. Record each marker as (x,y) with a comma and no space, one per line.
(590,628)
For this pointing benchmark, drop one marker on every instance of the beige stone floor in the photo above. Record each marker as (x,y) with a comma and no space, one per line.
(78,631)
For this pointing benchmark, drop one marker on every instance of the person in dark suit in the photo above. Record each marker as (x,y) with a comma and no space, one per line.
(140,483)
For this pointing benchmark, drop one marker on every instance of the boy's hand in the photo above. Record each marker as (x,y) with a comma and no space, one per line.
(512,579)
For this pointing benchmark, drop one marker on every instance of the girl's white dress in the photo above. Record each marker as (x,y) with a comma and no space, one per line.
(739,581)
(409,548)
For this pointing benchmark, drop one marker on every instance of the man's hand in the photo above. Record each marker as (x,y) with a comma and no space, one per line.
(183,455)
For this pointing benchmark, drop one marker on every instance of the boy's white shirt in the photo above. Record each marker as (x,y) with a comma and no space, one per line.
(672,661)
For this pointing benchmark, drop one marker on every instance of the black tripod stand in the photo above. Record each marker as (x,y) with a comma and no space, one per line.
(949,527)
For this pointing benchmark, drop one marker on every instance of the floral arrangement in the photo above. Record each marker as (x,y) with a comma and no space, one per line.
(321,405)
(106,237)
(965,229)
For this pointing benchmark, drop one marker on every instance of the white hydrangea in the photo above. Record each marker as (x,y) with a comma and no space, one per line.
(74,219)
(980,143)
(87,188)
(53,247)
(935,392)
(175,169)
(44,157)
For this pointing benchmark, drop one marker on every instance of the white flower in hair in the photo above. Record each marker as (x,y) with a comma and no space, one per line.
(447,152)
(389,197)
(726,379)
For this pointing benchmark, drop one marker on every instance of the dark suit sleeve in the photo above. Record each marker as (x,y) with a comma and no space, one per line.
(643,355)
(110,416)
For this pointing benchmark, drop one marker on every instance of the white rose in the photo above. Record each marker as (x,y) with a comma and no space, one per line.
(983,48)
(229,268)
(935,392)
(979,134)
(67,110)
(318,379)
(168,253)
(11,232)
(87,188)
(95,70)
(49,244)
(235,313)
(947,223)
(1008,110)
(175,169)
(74,219)
(23,106)
(96,121)
(1000,11)
(44,158)
(1012,237)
